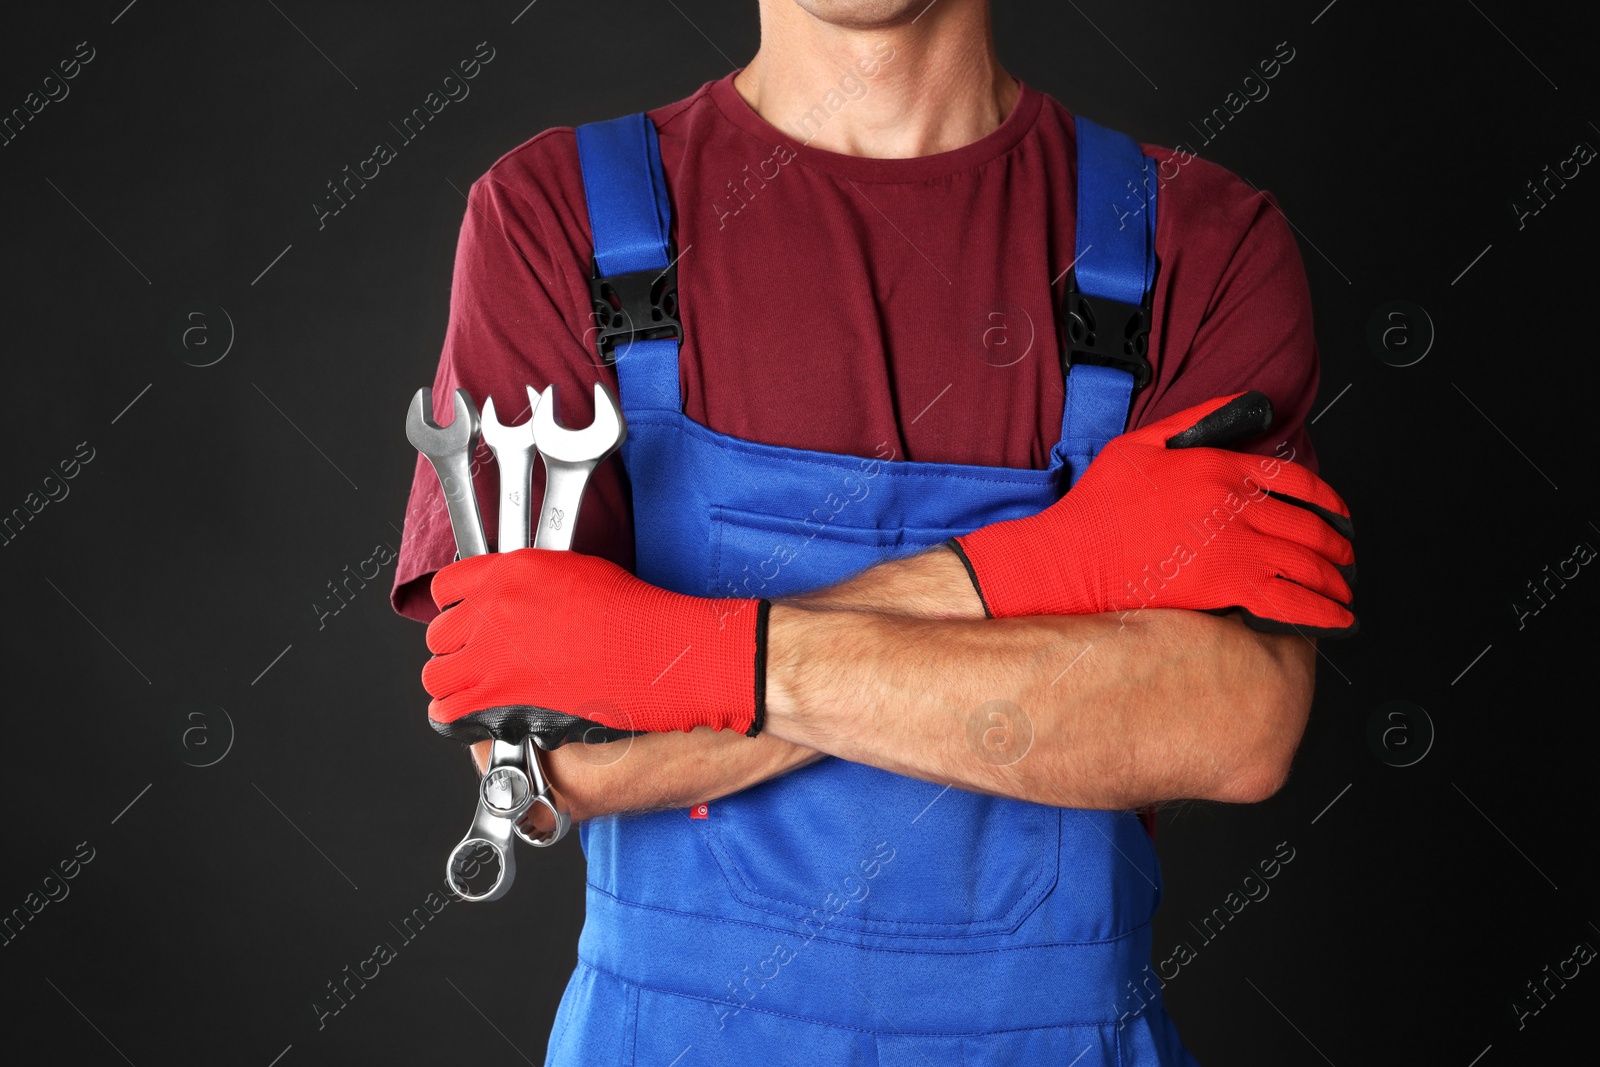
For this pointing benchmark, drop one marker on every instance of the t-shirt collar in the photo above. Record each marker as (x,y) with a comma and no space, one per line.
(997,142)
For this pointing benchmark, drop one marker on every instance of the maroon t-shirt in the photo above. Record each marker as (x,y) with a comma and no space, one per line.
(902,308)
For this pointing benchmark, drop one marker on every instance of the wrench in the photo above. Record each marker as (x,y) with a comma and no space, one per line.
(449,449)
(508,787)
(570,456)
(514,449)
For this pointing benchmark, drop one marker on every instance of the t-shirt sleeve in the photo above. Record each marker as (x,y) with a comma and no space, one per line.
(518,316)
(1255,333)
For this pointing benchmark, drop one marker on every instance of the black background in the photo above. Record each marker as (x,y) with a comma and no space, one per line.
(177,578)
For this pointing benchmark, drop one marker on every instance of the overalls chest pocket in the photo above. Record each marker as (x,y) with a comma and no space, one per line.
(845,848)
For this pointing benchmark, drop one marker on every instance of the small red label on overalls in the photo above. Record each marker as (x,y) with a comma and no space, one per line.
(700,811)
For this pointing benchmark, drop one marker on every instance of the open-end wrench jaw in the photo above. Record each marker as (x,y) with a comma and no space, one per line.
(570,456)
(498,435)
(591,444)
(514,451)
(449,449)
(433,440)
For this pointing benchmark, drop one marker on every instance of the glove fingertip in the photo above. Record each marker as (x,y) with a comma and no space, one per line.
(1343,524)
(451,582)
(1270,624)
(1245,416)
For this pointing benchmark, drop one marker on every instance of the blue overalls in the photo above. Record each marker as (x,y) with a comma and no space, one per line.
(842,914)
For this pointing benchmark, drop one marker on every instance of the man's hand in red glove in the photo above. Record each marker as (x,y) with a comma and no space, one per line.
(525,633)
(1163,519)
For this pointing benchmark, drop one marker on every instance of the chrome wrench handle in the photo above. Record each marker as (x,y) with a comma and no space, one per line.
(564,484)
(543,796)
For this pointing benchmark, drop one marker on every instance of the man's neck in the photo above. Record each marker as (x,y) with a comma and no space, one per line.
(922,85)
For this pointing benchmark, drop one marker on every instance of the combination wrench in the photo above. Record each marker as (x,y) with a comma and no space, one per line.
(507,789)
(514,450)
(570,456)
(514,780)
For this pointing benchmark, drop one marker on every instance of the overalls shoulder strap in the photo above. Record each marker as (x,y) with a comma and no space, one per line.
(634,284)
(1109,286)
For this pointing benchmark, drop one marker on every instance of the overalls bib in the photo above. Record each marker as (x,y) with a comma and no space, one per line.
(842,914)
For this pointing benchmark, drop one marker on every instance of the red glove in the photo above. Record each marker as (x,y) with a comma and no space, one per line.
(1159,521)
(523,634)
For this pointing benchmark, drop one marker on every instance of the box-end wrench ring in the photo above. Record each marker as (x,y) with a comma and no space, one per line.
(505,793)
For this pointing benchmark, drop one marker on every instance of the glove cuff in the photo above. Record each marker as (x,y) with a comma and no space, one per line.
(759,720)
(678,661)
(954,545)
(1015,569)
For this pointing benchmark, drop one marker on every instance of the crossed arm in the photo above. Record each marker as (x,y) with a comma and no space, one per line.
(899,668)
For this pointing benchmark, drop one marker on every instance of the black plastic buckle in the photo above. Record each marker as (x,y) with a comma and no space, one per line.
(640,306)
(1107,333)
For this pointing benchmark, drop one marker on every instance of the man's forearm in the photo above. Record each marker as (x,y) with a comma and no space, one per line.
(657,771)
(1094,711)
(652,772)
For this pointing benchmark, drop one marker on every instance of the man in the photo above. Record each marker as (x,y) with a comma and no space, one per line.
(937,690)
